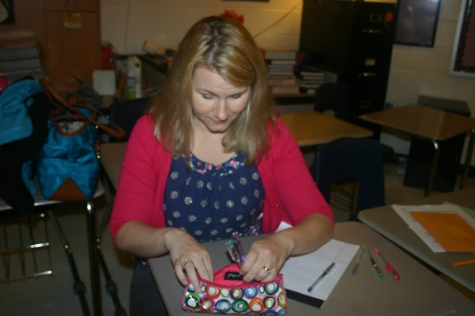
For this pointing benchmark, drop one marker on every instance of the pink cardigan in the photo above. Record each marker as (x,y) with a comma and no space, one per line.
(290,192)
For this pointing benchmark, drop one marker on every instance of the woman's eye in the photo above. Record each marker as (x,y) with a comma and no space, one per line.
(207,96)
(236,96)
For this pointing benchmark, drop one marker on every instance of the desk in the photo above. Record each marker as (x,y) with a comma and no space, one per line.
(112,155)
(419,292)
(314,128)
(388,223)
(431,124)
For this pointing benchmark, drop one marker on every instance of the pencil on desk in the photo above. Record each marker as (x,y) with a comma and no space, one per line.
(357,262)
(461,263)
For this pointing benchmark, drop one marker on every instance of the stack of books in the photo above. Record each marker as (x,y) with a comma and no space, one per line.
(281,63)
(19,60)
(309,80)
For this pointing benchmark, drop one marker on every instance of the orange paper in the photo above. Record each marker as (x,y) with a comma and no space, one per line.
(450,230)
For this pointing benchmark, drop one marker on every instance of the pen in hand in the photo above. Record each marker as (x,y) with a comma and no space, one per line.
(357,262)
(233,252)
(379,274)
(327,270)
(388,266)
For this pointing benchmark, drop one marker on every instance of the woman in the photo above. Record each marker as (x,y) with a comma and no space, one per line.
(212,158)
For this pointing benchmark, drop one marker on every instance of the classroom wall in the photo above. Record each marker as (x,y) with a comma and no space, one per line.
(166,21)
(414,70)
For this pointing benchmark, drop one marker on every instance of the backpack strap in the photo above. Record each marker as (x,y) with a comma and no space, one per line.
(61,103)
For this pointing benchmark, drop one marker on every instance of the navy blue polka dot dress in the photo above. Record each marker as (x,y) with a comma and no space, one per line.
(210,202)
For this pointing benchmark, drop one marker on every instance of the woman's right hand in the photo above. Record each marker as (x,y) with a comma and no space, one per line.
(190,259)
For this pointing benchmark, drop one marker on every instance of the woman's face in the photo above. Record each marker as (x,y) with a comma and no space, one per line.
(216,103)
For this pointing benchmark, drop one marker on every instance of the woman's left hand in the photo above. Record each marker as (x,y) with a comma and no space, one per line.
(265,258)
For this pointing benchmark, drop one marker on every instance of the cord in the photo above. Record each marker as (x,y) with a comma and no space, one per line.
(278,21)
(126,46)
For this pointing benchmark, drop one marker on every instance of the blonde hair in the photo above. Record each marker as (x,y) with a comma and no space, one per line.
(225,46)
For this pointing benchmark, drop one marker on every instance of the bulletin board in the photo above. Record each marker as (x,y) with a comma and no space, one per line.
(463,54)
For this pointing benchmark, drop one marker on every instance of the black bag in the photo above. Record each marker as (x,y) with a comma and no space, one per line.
(19,158)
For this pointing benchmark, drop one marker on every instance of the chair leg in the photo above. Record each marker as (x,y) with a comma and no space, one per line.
(93,259)
(6,255)
(354,200)
(32,244)
(111,286)
(21,253)
(78,286)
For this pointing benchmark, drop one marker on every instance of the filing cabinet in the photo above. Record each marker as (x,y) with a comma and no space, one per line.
(354,40)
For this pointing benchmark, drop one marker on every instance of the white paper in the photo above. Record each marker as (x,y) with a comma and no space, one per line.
(301,271)
(404,212)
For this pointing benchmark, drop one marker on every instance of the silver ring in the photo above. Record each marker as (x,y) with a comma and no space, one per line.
(186,261)
(267,269)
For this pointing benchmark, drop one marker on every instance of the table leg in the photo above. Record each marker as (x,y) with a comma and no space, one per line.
(94,261)
(433,169)
(468,159)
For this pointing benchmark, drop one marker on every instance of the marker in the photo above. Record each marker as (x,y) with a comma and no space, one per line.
(379,274)
(461,263)
(390,269)
(356,267)
(327,270)
(234,253)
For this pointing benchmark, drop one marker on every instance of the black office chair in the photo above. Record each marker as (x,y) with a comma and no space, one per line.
(126,113)
(352,159)
(334,97)
(33,250)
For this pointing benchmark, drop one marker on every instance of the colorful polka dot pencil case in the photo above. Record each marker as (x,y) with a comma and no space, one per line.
(229,294)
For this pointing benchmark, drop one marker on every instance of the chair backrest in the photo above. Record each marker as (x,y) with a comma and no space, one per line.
(358,159)
(333,96)
(126,113)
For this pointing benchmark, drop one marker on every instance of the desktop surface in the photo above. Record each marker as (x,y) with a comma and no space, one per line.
(423,121)
(314,128)
(419,292)
(388,223)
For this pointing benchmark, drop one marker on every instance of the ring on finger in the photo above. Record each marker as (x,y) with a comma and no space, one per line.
(186,260)
(267,269)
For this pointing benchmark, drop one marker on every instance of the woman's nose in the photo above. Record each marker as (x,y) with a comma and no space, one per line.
(220,110)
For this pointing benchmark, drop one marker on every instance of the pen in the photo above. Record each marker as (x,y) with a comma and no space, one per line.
(233,253)
(237,242)
(356,267)
(375,266)
(390,269)
(461,263)
(327,270)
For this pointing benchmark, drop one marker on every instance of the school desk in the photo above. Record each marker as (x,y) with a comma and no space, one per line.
(419,291)
(431,124)
(315,128)
(388,223)
(112,155)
